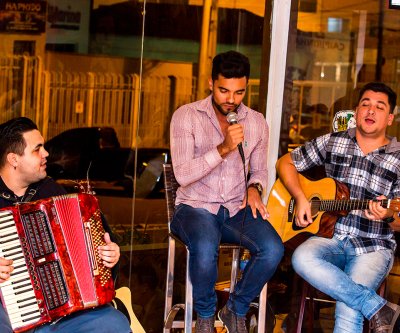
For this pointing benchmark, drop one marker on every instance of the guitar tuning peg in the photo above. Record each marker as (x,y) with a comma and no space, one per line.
(85,187)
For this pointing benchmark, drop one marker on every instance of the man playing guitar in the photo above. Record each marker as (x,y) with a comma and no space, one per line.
(351,265)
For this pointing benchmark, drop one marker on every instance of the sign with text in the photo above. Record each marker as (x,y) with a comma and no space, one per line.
(68,24)
(23,16)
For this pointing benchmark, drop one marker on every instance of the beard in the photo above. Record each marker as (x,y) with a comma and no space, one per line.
(221,110)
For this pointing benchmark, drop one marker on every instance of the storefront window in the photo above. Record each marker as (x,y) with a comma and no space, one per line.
(102,78)
(335,49)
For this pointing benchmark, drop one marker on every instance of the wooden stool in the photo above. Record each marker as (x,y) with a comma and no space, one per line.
(309,293)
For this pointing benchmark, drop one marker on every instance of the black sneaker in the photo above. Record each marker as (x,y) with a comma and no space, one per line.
(232,322)
(385,320)
(204,325)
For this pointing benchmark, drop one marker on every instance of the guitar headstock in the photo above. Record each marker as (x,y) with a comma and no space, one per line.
(79,186)
(84,187)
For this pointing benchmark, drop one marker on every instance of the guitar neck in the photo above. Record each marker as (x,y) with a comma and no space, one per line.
(345,205)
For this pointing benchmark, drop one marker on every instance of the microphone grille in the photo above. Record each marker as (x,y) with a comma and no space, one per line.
(231,117)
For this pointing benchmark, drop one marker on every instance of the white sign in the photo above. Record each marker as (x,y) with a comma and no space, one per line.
(68,23)
(343,120)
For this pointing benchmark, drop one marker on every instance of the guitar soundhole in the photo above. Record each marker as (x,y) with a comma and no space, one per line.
(315,206)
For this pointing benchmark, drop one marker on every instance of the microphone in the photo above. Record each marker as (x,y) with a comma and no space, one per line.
(232,119)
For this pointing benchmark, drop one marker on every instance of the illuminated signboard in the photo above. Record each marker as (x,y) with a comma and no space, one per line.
(394,4)
(23,16)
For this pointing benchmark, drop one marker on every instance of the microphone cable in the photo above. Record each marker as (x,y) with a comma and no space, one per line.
(246,203)
(232,119)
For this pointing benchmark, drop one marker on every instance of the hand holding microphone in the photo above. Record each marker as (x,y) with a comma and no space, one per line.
(232,119)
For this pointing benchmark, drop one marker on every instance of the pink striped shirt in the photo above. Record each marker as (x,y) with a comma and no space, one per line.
(206,179)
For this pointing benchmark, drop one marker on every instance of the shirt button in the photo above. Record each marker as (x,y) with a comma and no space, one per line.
(223,178)
(222,195)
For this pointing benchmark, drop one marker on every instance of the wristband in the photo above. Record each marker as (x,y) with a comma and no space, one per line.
(388,219)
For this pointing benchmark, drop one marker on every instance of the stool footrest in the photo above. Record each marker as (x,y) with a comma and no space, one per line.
(254,305)
(171,315)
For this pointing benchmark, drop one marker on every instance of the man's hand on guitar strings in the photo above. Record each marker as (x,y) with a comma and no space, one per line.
(303,212)
(375,210)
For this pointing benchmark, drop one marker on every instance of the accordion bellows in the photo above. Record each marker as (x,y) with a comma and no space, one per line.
(57,268)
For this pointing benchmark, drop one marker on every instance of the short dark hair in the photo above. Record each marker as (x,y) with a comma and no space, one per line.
(230,64)
(382,88)
(11,137)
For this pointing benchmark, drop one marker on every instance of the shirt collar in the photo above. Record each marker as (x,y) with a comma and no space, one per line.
(391,147)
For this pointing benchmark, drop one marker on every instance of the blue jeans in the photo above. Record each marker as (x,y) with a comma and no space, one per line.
(104,319)
(202,232)
(331,266)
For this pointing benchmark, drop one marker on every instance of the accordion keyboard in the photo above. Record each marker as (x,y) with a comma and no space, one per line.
(57,270)
(18,292)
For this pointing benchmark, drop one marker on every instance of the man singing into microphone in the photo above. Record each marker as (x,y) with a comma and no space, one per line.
(219,198)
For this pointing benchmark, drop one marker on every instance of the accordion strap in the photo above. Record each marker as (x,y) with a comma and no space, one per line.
(25,198)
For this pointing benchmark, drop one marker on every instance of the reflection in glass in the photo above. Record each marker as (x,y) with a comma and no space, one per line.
(336,50)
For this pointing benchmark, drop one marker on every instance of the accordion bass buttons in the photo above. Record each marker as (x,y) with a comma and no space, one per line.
(36,282)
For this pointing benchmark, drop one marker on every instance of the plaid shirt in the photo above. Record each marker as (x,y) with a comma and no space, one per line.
(366,176)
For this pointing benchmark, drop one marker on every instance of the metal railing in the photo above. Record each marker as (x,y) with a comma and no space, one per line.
(97,99)
(58,101)
(19,87)
(62,100)
(88,99)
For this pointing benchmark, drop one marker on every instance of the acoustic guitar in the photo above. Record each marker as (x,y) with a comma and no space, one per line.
(329,200)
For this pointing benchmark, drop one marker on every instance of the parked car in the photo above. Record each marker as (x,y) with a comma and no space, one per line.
(94,154)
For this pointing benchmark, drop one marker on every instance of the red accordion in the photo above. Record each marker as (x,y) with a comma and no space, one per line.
(57,268)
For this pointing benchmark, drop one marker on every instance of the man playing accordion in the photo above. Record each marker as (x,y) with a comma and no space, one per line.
(23,178)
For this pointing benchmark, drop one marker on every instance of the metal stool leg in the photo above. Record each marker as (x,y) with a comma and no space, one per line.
(188,298)
(262,309)
(304,292)
(169,313)
(234,268)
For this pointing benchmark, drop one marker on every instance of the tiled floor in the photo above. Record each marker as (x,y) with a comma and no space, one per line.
(326,321)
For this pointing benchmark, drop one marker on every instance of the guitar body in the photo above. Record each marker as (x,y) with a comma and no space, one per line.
(282,208)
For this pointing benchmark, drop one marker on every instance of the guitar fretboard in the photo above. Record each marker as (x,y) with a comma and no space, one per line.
(344,205)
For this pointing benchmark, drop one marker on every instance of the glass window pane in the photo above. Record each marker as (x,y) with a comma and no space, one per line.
(336,49)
